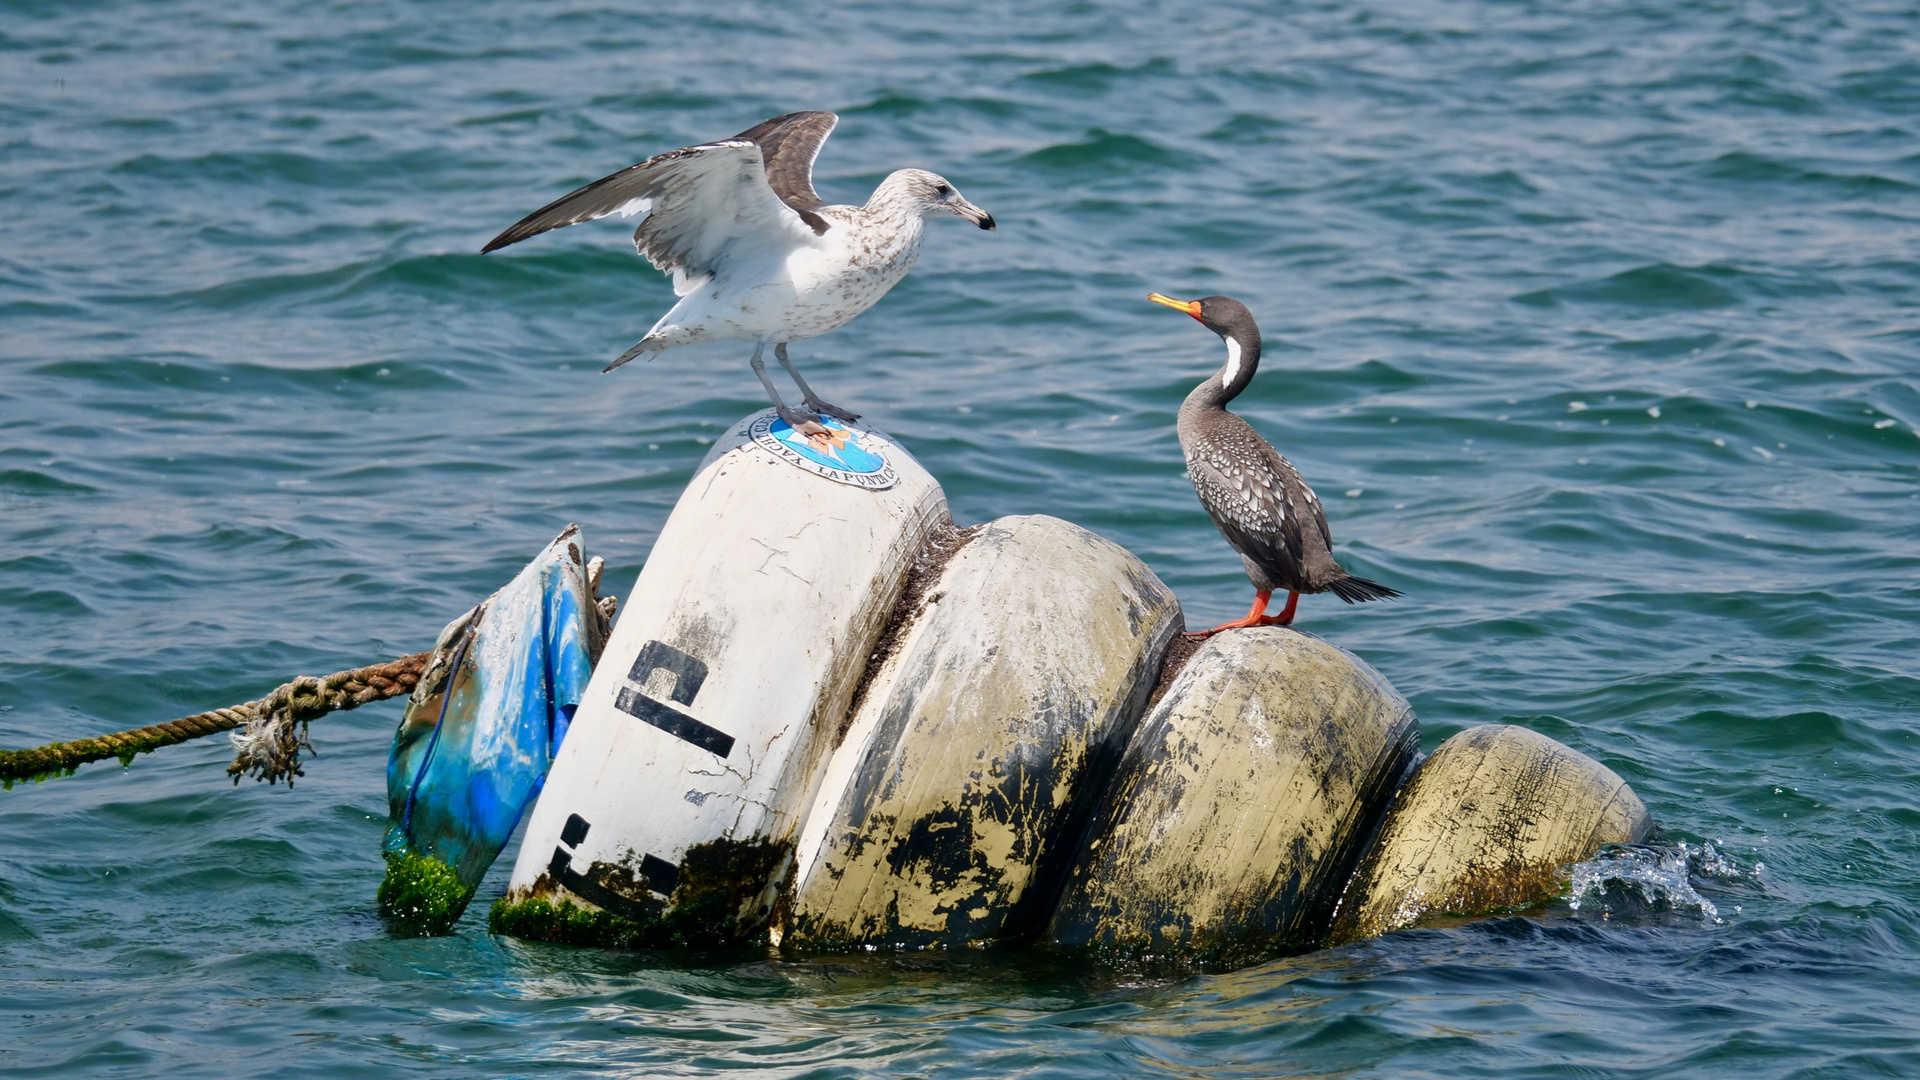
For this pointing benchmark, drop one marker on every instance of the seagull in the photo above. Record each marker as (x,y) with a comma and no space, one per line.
(1257,498)
(755,253)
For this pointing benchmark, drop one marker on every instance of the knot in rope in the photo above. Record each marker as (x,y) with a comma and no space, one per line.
(269,746)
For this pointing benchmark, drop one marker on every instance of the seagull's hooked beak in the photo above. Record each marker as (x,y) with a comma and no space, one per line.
(1191,307)
(966,210)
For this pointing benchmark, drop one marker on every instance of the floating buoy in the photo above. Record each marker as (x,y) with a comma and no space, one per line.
(1006,695)
(829,718)
(480,731)
(671,810)
(1487,822)
(1242,804)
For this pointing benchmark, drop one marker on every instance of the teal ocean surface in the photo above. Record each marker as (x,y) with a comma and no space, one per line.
(1596,326)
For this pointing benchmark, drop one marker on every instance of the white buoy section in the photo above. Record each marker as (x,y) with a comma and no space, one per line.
(685,774)
(982,741)
(1242,804)
(1487,822)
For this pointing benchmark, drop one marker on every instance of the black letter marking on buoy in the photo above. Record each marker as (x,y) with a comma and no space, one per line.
(557,866)
(688,673)
(673,721)
(653,870)
(659,874)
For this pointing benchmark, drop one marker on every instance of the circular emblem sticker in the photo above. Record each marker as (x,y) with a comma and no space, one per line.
(846,455)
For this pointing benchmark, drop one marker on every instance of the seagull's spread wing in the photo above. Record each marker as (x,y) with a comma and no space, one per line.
(702,205)
(701,200)
(790,144)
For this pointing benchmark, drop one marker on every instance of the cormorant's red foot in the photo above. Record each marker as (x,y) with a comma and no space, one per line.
(1256,616)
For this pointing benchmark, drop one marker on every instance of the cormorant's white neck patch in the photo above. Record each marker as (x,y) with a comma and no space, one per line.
(1233,363)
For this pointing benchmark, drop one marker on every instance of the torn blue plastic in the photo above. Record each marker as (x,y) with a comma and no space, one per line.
(481,730)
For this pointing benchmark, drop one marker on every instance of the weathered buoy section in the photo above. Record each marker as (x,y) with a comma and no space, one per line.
(1487,822)
(672,807)
(983,738)
(1242,804)
(478,736)
(827,718)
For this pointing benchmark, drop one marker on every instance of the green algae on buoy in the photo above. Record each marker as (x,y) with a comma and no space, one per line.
(1486,823)
(950,809)
(716,886)
(421,896)
(1241,805)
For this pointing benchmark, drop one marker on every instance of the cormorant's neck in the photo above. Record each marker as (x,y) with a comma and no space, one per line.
(1243,359)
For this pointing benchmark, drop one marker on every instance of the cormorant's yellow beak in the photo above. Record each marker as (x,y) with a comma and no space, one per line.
(1191,307)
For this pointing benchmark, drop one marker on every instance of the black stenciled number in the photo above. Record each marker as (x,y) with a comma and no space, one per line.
(659,874)
(688,674)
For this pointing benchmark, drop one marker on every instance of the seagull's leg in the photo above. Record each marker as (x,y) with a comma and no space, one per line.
(805,423)
(808,398)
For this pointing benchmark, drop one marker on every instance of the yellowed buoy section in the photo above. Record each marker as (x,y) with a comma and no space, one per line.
(720,694)
(1487,822)
(951,807)
(1242,803)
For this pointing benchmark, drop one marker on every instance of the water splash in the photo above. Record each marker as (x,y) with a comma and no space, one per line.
(1656,880)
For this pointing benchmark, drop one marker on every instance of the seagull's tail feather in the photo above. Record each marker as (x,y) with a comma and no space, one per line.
(640,347)
(1351,589)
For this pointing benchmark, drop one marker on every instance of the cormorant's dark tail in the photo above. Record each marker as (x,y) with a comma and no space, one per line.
(1356,589)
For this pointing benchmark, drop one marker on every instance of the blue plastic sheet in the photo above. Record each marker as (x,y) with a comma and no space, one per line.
(492,708)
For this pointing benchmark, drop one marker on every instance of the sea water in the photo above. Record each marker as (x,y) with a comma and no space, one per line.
(1595,326)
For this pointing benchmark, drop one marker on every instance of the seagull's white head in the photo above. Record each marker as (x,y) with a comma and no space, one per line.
(928,194)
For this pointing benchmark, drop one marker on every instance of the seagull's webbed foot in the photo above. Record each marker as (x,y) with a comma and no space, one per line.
(804,422)
(825,409)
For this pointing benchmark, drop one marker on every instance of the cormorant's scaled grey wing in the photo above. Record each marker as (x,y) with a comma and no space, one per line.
(697,202)
(1251,512)
(1291,477)
(790,144)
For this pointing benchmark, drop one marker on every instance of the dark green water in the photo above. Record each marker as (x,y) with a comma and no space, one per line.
(1596,326)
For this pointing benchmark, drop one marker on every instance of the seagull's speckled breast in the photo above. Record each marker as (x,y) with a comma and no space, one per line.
(816,288)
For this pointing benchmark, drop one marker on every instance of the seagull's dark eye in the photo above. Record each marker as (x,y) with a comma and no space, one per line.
(943,191)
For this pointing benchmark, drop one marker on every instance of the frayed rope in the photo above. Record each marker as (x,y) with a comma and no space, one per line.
(274,728)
